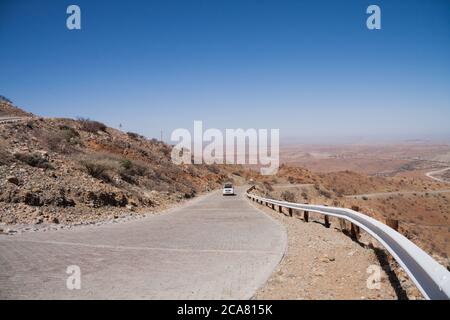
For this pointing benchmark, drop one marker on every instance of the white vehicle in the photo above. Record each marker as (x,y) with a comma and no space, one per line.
(228,189)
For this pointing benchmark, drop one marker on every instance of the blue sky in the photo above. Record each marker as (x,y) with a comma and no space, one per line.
(310,68)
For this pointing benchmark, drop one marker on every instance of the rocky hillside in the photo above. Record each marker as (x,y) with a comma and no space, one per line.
(65,171)
(71,171)
(420,204)
(7,109)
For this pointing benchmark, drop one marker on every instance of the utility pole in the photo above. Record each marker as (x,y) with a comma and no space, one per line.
(161,135)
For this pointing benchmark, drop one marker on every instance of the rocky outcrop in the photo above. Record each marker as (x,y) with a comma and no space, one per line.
(72,171)
(106,199)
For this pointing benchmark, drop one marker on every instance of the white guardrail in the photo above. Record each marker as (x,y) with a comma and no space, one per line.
(430,277)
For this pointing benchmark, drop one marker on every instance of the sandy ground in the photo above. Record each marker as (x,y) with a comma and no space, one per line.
(324,263)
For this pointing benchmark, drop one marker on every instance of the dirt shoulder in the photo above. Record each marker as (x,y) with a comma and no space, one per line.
(115,217)
(324,263)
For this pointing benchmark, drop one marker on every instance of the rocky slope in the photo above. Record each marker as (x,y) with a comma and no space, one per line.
(65,171)
(69,171)
(323,263)
(420,205)
(7,109)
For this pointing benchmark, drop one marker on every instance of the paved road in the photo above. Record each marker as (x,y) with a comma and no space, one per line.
(396,193)
(212,248)
(12,119)
(290,185)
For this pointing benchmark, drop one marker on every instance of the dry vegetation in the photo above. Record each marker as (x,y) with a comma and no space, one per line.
(72,171)
(67,171)
(421,205)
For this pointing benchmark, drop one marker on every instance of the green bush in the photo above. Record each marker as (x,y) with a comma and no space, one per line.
(33,159)
(126,164)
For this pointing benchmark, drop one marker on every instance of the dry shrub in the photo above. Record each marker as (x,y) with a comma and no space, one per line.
(288,196)
(327,194)
(70,134)
(213,168)
(166,150)
(130,170)
(135,136)
(91,125)
(56,142)
(267,186)
(33,159)
(99,166)
(5,156)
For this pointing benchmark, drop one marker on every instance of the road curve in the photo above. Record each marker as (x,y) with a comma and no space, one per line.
(396,193)
(214,247)
(431,175)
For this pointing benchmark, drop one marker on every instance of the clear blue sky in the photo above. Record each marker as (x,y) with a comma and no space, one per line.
(153,65)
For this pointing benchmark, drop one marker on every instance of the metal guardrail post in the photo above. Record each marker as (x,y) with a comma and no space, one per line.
(306,216)
(393,223)
(354,231)
(326,221)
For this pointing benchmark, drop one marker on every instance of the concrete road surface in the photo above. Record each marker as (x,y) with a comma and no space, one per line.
(212,248)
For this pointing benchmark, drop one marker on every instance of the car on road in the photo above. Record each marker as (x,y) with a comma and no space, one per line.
(228,189)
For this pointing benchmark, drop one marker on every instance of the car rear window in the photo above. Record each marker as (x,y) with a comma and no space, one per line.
(228,185)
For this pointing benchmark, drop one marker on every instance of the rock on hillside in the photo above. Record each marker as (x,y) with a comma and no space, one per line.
(72,171)
(7,109)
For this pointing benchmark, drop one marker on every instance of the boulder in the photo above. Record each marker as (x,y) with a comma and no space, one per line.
(13,180)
